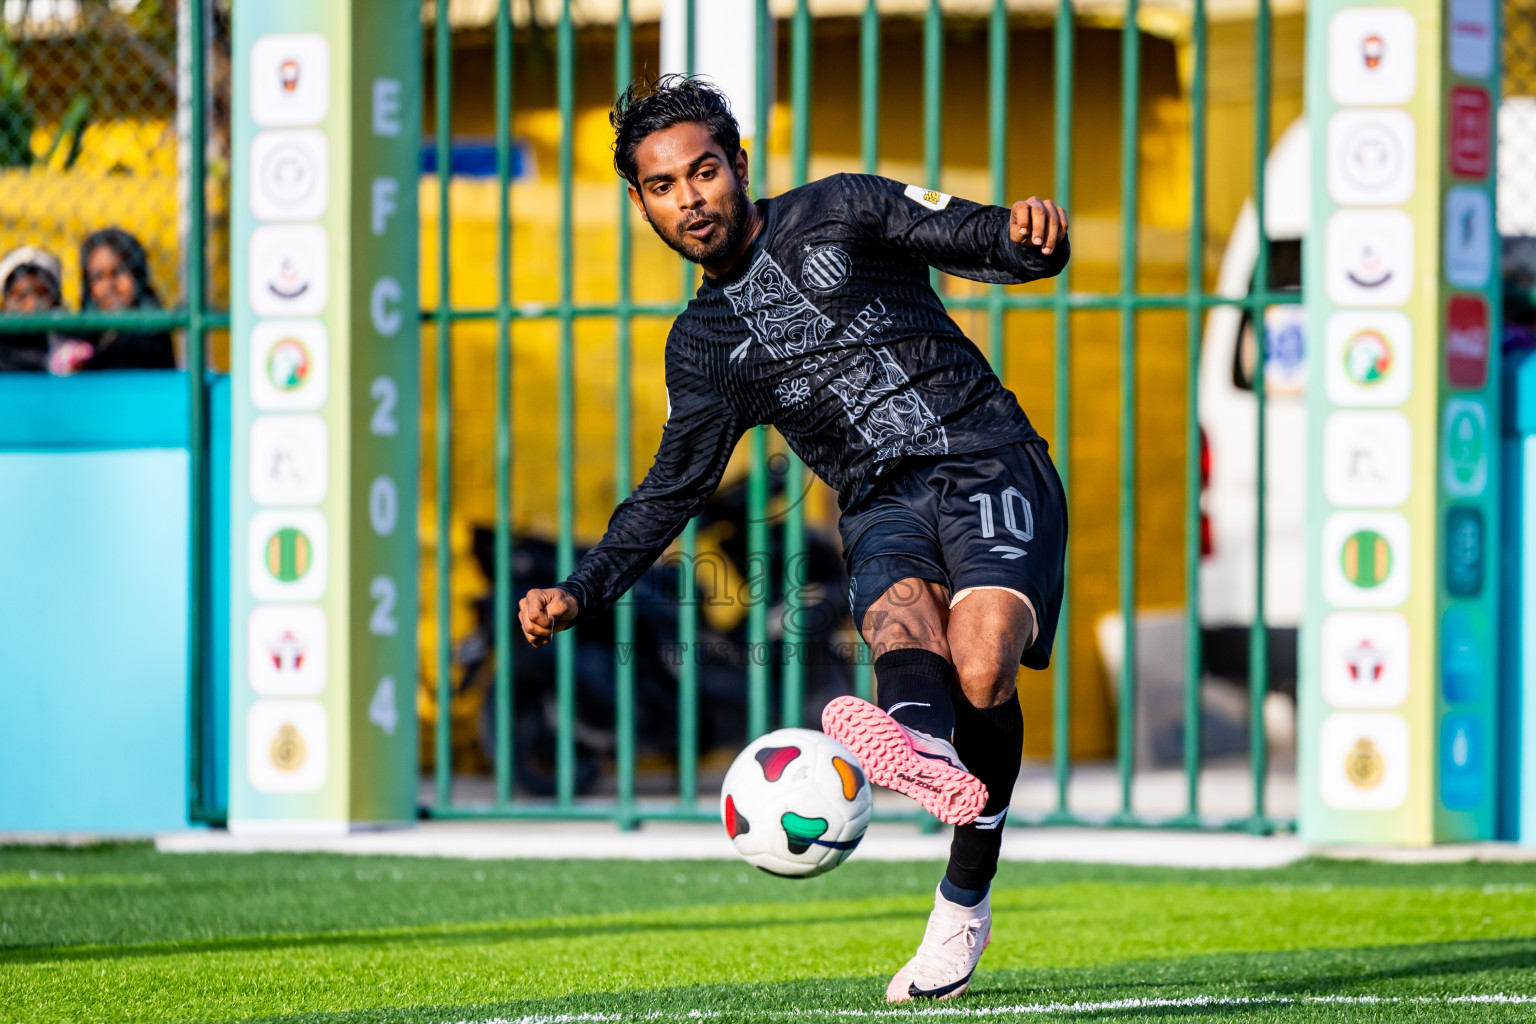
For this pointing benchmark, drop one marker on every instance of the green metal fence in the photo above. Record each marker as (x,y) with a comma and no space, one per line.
(91,39)
(197,315)
(1126,301)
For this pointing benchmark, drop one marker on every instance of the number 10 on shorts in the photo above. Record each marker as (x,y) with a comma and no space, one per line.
(1018,520)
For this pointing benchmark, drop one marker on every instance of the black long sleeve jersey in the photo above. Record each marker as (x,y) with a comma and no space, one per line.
(829,330)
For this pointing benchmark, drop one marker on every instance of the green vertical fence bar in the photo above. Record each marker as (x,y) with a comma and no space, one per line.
(933,156)
(565,557)
(624,610)
(1193,326)
(997,156)
(1130,77)
(933,99)
(1258,645)
(869,146)
(793,681)
(443,71)
(758,577)
(198,804)
(687,589)
(1061,697)
(505,652)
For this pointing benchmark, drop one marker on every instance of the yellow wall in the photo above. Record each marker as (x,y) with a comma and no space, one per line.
(1163,199)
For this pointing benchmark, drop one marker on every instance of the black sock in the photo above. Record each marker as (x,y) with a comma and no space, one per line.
(990,742)
(912,686)
(964,897)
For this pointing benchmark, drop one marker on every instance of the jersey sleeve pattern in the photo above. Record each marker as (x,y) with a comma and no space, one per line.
(954,235)
(701,432)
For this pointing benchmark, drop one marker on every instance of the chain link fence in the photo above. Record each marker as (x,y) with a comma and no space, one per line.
(94,120)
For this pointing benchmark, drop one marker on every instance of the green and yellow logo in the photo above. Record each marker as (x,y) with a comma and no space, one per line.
(1366,558)
(290,554)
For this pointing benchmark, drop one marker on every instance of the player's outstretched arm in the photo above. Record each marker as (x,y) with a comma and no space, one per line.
(993,244)
(701,431)
(543,613)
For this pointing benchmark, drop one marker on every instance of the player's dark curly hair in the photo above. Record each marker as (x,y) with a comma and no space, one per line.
(652,105)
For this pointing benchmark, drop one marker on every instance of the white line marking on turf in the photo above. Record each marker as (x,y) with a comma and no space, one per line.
(1022,1008)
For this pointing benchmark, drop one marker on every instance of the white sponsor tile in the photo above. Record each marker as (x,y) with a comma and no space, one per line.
(290,79)
(290,365)
(287,747)
(289,457)
(290,172)
(287,555)
(1373,56)
(1367,459)
(289,271)
(286,647)
(1365,660)
(1365,559)
(1369,357)
(1363,760)
(1368,257)
(1370,157)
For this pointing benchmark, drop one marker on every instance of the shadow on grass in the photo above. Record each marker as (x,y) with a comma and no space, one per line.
(1271,980)
(503,932)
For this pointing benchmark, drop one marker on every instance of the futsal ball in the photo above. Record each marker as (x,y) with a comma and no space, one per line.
(796,803)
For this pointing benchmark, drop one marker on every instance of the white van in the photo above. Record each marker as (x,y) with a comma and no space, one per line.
(1229,427)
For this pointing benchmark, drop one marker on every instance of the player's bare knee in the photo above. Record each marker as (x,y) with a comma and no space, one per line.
(986,677)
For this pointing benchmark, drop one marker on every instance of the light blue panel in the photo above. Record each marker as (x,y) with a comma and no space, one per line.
(93,613)
(111,409)
(1512,543)
(1517,617)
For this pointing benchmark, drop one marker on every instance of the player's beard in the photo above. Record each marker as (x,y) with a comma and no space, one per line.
(732,215)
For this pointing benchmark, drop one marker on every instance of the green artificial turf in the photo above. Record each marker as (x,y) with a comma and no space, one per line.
(124,933)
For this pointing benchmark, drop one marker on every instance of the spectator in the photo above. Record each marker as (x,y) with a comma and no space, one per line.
(29,283)
(114,278)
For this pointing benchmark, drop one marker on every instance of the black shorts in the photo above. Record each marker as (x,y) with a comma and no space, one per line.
(994,518)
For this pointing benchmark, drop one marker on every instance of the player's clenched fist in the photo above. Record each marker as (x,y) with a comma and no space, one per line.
(1039,222)
(543,613)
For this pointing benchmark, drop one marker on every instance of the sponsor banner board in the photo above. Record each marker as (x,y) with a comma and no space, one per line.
(326,114)
(1396,681)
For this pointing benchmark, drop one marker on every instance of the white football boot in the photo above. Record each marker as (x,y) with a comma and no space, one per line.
(952,945)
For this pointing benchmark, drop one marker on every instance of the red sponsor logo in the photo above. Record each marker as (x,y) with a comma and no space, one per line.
(1466,342)
(1470,124)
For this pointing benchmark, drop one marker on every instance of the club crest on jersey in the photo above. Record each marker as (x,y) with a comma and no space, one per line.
(826,267)
(929,197)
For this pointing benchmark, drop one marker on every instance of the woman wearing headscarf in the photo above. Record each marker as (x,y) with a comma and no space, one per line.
(29,283)
(114,278)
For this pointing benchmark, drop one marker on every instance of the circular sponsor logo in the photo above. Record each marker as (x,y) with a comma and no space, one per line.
(1366,558)
(826,267)
(289,173)
(1373,156)
(1363,765)
(290,554)
(1367,357)
(288,749)
(289,364)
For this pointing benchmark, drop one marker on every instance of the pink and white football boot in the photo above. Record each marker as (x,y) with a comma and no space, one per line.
(923,767)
